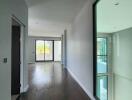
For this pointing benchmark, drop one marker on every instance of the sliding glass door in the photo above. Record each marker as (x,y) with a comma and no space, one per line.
(44,50)
(102,69)
(48,47)
(39,50)
(57,50)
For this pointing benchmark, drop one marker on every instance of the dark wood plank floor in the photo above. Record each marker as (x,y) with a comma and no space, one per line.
(49,81)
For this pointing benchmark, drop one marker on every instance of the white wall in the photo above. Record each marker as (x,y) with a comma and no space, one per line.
(31,50)
(80,48)
(7,9)
(64,48)
(31,46)
(122,64)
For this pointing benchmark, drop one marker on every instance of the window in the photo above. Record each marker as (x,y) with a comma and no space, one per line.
(102,69)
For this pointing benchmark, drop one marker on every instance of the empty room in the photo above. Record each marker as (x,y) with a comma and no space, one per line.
(65,50)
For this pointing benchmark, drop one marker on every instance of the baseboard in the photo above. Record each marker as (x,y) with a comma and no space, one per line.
(81,85)
(31,62)
(26,88)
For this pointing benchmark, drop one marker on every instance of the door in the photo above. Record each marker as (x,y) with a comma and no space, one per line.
(39,50)
(44,50)
(48,50)
(15,74)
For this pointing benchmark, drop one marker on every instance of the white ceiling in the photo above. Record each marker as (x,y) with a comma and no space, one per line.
(51,17)
(114,15)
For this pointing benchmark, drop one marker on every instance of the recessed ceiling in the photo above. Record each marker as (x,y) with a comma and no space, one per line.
(113,15)
(48,17)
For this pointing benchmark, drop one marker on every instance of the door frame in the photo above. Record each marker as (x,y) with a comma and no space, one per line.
(95,47)
(22,31)
(44,50)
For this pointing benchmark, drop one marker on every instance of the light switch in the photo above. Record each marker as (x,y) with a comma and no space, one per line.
(4,60)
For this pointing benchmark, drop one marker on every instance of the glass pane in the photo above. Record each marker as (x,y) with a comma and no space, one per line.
(101,46)
(39,50)
(101,64)
(48,50)
(102,87)
(57,50)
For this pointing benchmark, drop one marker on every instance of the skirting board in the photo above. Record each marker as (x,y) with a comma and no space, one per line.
(82,86)
(26,88)
(31,62)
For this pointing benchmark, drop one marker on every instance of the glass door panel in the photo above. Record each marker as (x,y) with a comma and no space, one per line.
(48,47)
(102,69)
(39,50)
(102,85)
(57,50)
(101,46)
(102,64)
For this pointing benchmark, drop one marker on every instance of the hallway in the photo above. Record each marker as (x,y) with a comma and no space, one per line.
(49,81)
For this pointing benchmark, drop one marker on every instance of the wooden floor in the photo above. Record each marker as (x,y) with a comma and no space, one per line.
(14,97)
(49,81)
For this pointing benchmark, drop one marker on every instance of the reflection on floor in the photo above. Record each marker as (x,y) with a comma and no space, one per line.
(49,81)
(14,97)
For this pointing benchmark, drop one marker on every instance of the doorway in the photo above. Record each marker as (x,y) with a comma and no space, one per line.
(15,58)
